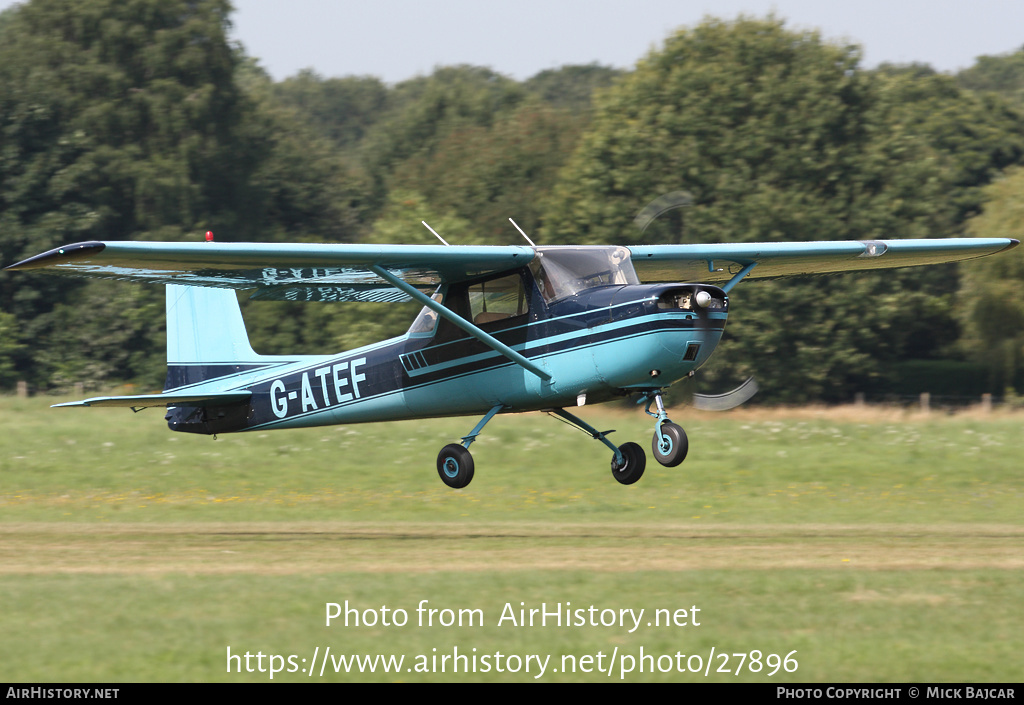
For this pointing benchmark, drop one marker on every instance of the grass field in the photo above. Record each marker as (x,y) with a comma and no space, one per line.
(840,545)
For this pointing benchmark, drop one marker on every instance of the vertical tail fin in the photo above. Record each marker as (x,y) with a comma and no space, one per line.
(206,337)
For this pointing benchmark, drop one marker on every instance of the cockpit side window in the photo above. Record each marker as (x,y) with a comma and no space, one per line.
(497,299)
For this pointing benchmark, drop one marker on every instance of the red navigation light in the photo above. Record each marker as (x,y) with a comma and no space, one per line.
(209,236)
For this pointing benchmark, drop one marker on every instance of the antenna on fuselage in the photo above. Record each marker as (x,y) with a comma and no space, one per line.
(434,231)
(521,232)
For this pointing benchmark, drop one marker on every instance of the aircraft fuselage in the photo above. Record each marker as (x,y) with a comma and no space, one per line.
(603,343)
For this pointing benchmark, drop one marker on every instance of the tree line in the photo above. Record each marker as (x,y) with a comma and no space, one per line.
(141,120)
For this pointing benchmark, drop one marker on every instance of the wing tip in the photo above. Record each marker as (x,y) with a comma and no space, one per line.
(60,255)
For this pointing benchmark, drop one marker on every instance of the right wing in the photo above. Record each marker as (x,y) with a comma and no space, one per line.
(721,262)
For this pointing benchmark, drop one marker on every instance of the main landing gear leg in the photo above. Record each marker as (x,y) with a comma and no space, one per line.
(629,460)
(454,463)
(669,443)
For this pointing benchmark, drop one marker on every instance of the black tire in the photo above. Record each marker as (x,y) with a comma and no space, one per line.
(634,462)
(675,447)
(455,466)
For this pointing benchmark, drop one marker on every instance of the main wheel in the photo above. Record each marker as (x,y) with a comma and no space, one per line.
(670,444)
(455,466)
(633,463)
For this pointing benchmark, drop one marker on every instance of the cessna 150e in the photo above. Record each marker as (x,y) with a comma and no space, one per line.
(507,329)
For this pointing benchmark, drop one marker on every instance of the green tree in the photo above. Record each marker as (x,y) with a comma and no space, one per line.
(10,349)
(487,174)
(340,109)
(139,120)
(960,141)
(991,297)
(758,124)
(116,117)
(299,186)
(571,87)
(1003,74)
(425,110)
(118,120)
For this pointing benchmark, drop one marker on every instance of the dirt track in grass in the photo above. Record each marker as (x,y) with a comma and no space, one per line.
(328,547)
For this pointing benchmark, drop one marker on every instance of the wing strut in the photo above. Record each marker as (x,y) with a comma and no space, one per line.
(739,277)
(461,323)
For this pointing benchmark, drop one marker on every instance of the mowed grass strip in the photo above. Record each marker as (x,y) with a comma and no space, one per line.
(774,466)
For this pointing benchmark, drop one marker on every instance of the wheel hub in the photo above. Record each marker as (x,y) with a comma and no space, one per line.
(451,467)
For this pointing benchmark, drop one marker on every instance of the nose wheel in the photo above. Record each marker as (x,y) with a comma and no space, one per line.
(669,443)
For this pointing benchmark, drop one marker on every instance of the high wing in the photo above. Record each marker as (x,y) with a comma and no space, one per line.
(723,262)
(305,271)
(341,272)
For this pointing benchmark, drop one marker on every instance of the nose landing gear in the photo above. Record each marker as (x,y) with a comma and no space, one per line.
(669,443)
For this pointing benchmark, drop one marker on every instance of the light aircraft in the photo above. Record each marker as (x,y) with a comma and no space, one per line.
(506,329)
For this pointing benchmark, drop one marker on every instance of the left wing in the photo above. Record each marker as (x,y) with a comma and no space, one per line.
(767,260)
(305,271)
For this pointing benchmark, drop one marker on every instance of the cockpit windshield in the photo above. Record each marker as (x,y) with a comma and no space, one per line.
(566,271)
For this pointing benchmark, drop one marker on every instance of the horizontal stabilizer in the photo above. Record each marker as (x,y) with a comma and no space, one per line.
(169,399)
